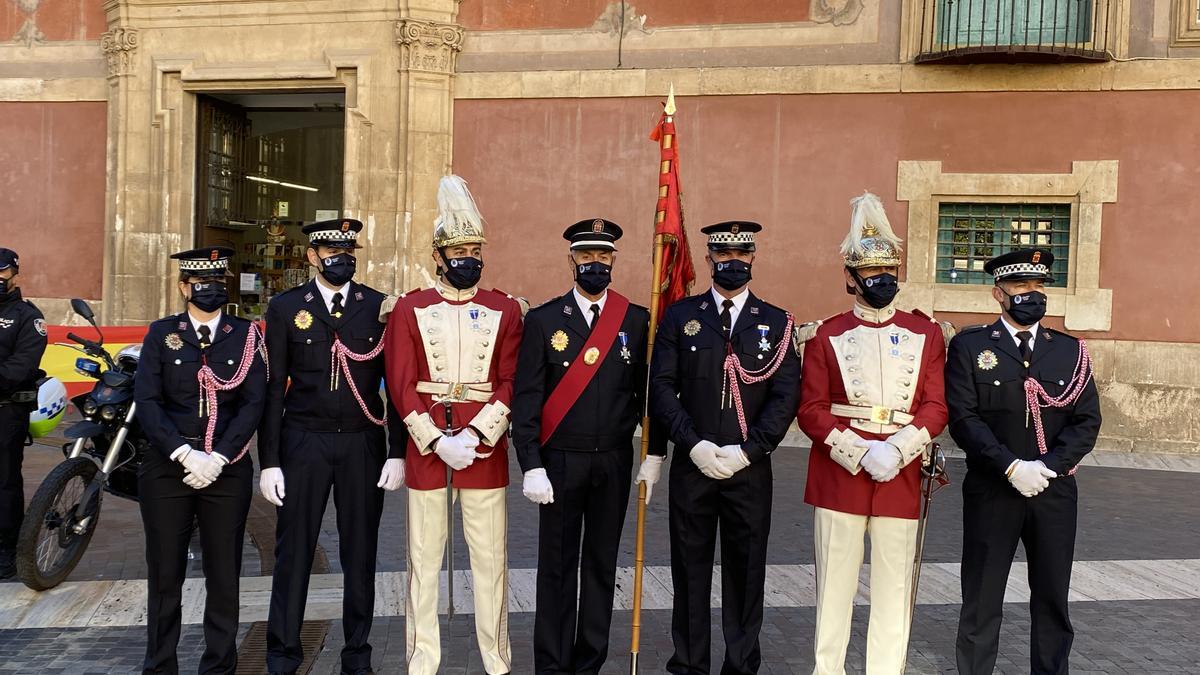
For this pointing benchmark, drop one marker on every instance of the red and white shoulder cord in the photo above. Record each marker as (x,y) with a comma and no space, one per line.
(210,384)
(339,361)
(735,374)
(1036,397)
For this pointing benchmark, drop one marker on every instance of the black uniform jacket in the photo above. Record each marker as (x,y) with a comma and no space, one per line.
(686,375)
(300,335)
(985,379)
(22,343)
(168,393)
(609,409)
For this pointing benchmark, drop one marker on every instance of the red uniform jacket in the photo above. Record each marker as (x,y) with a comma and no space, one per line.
(440,337)
(896,363)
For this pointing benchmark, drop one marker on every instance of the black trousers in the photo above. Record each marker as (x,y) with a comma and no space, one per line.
(741,507)
(591,493)
(313,464)
(995,518)
(14,428)
(169,509)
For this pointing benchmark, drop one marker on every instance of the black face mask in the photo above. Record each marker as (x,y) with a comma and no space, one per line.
(338,269)
(1026,308)
(6,293)
(731,274)
(209,296)
(878,291)
(462,273)
(593,277)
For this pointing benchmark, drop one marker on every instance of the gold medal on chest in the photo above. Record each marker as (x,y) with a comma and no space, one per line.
(174,342)
(303,319)
(591,356)
(691,328)
(559,341)
(987,360)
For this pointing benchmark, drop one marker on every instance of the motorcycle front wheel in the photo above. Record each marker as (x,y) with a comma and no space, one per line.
(58,526)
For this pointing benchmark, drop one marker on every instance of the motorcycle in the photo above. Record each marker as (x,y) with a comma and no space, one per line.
(103,454)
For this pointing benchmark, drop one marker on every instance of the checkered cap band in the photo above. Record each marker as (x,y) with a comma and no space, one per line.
(730,238)
(1020,268)
(333,235)
(203,265)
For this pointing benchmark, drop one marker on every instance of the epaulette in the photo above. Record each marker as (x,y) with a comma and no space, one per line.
(1057,332)
(807,331)
(388,304)
(947,328)
(972,329)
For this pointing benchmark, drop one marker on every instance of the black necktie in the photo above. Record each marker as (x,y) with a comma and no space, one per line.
(595,310)
(336,310)
(205,336)
(727,318)
(1024,338)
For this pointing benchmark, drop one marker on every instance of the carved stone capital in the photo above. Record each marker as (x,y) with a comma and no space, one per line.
(428,46)
(119,46)
(836,12)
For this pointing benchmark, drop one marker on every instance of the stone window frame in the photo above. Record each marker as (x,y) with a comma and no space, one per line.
(1187,23)
(1083,304)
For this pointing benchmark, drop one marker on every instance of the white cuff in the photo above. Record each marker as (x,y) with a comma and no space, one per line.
(491,422)
(843,450)
(910,441)
(180,452)
(422,430)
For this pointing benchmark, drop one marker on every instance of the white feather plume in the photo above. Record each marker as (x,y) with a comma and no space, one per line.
(867,214)
(457,211)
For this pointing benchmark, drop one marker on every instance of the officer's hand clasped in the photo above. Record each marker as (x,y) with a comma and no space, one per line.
(704,456)
(882,460)
(1030,477)
(455,452)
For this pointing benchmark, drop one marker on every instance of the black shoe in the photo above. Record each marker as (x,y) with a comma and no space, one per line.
(282,672)
(359,671)
(8,563)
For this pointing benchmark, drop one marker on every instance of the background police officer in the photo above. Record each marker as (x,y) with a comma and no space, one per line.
(22,343)
(575,445)
(197,469)
(322,431)
(1020,460)
(729,430)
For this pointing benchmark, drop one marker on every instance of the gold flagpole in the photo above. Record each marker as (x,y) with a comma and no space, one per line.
(655,292)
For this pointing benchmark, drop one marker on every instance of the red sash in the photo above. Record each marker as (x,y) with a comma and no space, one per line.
(580,373)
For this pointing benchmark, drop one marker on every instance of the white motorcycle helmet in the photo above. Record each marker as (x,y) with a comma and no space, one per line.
(51,407)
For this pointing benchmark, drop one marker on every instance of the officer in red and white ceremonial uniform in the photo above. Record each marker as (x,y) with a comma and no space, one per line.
(871,399)
(451,355)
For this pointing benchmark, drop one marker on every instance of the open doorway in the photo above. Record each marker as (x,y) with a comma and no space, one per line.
(267,164)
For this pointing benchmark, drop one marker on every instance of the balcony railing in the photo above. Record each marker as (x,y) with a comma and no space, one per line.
(981,31)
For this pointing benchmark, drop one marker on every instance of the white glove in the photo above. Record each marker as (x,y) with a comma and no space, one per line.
(392,475)
(195,482)
(704,456)
(537,487)
(453,453)
(649,472)
(270,484)
(882,460)
(733,458)
(467,439)
(206,467)
(1030,478)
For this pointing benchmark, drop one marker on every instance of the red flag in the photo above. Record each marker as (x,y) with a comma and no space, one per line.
(675,281)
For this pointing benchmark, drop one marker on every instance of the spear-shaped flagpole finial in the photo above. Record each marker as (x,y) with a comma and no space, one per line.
(670,107)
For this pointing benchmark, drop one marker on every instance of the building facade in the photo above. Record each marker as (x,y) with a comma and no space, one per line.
(132,128)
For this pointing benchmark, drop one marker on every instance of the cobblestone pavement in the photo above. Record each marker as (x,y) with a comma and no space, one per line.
(1126,514)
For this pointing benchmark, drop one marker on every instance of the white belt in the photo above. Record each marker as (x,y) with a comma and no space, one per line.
(875,414)
(478,392)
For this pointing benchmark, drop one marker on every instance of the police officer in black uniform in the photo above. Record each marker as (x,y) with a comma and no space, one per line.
(728,430)
(325,431)
(580,475)
(197,468)
(22,343)
(1020,460)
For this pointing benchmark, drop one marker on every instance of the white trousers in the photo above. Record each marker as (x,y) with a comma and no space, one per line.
(485,527)
(839,548)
